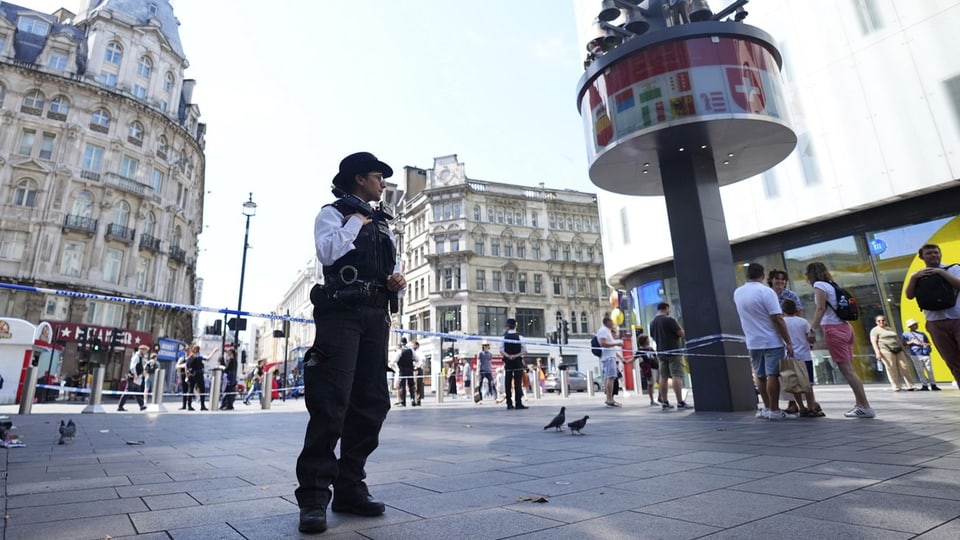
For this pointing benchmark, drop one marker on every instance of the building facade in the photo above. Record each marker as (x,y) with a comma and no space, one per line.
(873,89)
(101,174)
(477,252)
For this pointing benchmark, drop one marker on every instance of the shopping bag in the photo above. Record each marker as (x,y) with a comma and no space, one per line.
(793,376)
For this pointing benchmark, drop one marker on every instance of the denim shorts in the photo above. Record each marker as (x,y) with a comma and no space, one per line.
(609,366)
(766,362)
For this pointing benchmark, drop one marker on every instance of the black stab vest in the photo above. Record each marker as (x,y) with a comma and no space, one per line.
(511,348)
(374,254)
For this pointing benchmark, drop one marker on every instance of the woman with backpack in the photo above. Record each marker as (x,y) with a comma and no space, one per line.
(838,335)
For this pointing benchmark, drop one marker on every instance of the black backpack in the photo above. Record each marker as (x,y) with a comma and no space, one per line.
(406,359)
(151,367)
(934,293)
(846,309)
(595,347)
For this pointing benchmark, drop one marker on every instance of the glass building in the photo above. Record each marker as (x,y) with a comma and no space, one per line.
(873,89)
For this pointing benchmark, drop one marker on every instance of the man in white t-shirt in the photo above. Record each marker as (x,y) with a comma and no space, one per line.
(608,360)
(766,335)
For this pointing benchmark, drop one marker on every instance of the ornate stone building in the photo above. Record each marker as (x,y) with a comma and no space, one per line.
(478,252)
(101,173)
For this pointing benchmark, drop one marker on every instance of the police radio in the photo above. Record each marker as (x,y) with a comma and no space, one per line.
(384,212)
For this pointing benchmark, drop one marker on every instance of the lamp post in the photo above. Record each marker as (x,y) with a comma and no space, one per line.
(249,210)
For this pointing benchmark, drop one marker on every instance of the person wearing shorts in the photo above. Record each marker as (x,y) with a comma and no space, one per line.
(666,331)
(838,336)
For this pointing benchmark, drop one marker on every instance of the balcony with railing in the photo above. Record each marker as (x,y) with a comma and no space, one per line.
(74,222)
(129,185)
(149,242)
(120,232)
(93,176)
(178,254)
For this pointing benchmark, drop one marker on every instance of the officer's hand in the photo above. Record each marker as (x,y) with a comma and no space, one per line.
(396,282)
(366,220)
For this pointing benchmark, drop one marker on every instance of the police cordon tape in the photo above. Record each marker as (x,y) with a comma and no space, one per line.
(693,343)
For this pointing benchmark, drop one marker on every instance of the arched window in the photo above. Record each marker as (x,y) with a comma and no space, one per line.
(177,236)
(60,105)
(26,193)
(150,225)
(83,204)
(3,93)
(114,53)
(168,82)
(145,67)
(162,145)
(100,118)
(121,213)
(34,100)
(135,131)
(476,213)
(583,322)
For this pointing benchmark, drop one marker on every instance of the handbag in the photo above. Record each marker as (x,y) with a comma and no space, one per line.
(793,376)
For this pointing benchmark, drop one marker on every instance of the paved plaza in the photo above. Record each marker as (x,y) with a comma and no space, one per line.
(462,471)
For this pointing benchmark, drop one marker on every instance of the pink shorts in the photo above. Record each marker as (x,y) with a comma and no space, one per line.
(839,338)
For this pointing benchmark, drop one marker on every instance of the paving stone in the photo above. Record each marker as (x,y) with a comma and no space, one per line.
(206,532)
(160,520)
(476,525)
(947,531)
(814,487)
(623,526)
(791,525)
(892,511)
(174,500)
(57,512)
(92,528)
(723,508)
(62,497)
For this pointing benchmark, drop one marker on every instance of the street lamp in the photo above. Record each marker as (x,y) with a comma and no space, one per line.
(249,210)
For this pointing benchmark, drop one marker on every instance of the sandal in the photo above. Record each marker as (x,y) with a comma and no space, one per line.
(816,413)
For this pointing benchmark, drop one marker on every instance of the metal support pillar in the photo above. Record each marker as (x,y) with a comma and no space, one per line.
(96,392)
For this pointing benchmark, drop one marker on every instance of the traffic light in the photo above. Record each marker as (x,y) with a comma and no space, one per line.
(243,356)
(83,336)
(96,344)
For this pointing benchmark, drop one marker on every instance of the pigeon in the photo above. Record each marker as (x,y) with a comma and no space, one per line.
(557,421)
(67,432)
(577,425)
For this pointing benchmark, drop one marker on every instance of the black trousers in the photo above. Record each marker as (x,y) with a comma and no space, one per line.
(346,394)
(514,373)
(491,386)
(136,390)
(196,384)
(407,381)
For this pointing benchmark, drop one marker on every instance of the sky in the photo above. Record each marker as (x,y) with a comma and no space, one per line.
(288,88)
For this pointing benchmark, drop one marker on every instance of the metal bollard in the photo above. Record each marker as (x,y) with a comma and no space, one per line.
(537,391)
(637,378)
(267,396)
(438,379)
(155,401)
(564,385)
(29,390)
(216,379)
(96,392)
(591,391)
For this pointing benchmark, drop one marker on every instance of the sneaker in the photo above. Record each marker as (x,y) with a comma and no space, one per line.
(654,404)
(934,387)
(612,404)
(924,388)
(777,415)
(682,405)
(665,405)
(763,413)
(860,412)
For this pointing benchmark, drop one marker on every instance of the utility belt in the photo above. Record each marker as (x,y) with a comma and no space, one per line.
(361,294)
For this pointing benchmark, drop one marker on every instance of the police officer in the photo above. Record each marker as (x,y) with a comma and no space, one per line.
(512,351)
(405,362)
(344,373)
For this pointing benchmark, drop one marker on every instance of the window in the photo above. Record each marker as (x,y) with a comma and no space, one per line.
(509,281)
(571,286)
(121,213)
(554,253)
(581,286)
(162,146)
(168,82)
(56,308)
(476,213)
(12,244)
(509,217)
(449,318)
(25,194)
(522,283)
(566,252)
(128,167)
(150,224)
(46,146)
(108,79)
(573,323)
(538,284)
(578,253)
(83,205)
(34,26)
(497,278)
(590,254)
(491,319)
(139,92)
(584,323)
(114,53)
(481,280)
(3,89)
(104,314)
(59,106)
(153,9)
(57,60)
(448,278)
(112,260)
(478,247)
(27,138)
(508,249)
(177,236)
(34,100)
(72,259)
(144,67)
(530,322)
(438,245)
(536,252)
(454,245)
(135,131)
(156,180)
(93,157)
(499,215)
(494,247)
(557,286)
(521,250)
(100,118)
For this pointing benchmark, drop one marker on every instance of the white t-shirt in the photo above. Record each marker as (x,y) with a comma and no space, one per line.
(756,303)
(798,328)
(951,313)
(609,353)
(829,316)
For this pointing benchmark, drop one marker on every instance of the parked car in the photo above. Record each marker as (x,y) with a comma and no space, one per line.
(576,382)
